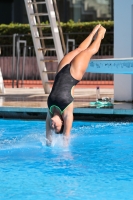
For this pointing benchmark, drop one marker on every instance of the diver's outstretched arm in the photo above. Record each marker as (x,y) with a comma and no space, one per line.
(48,131)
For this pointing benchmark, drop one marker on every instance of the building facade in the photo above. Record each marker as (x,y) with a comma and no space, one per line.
(76,10)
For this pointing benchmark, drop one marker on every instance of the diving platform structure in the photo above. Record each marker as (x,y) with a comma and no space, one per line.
(111,66)
(122,63)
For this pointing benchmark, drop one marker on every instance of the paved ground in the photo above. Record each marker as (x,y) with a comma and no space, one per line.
(32,103)
(19,97)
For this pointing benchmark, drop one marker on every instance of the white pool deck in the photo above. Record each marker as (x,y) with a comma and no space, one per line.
(35,101)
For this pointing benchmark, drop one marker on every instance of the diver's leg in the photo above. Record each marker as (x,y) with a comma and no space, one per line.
(84,45)
(80,62)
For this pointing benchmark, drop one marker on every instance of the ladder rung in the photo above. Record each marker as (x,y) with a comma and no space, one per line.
(50,60)
(49,72)
(41,2)
(47,49)
(39,14)
(45,38)
(41,26)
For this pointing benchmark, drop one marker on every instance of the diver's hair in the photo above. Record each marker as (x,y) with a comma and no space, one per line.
(61,130)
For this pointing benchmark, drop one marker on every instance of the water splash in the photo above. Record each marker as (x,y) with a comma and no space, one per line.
(33,140)
(59,141)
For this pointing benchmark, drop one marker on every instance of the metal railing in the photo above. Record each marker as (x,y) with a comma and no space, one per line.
(26,73)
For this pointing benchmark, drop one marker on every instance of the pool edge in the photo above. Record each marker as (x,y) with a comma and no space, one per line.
(91,114)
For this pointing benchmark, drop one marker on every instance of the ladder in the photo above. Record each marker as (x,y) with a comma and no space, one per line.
(40,40)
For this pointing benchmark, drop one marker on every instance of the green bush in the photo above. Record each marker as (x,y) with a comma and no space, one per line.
(9,30)
(77,31)
(84,28)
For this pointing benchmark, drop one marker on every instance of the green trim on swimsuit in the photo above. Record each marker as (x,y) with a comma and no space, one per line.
(61,111)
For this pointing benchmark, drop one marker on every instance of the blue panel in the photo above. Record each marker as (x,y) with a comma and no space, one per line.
(111,66)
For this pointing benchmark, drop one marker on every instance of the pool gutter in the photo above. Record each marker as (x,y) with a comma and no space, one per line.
(100,114)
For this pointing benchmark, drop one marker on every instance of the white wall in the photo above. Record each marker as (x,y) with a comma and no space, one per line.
(123,47)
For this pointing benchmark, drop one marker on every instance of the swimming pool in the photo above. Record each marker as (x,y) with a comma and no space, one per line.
(97,165)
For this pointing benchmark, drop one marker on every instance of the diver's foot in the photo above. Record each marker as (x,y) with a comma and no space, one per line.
(101,32)
(95,30)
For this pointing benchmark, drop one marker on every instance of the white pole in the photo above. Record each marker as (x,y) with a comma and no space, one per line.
(123,47)
(2,89)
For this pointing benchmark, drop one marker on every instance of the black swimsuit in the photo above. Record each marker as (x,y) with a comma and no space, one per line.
(60,95)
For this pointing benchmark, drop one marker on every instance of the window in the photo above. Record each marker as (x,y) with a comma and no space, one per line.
(85,10)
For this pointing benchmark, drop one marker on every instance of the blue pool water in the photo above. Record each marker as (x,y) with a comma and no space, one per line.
(97,165)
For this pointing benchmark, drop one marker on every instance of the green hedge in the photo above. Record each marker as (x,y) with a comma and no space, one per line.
(87,27)
(83,28)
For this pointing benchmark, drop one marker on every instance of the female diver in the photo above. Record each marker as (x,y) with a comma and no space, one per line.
(70,71)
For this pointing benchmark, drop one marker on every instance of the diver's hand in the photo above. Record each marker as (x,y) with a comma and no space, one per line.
(48,143)
(66,141)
